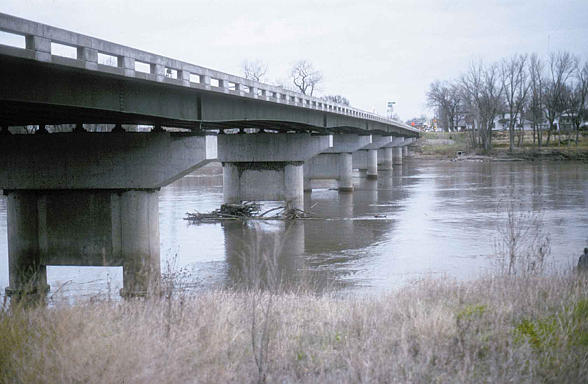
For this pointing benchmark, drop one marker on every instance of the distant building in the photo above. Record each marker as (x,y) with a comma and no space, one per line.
(501,123)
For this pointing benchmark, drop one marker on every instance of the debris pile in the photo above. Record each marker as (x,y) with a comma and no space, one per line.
(226,211)
(246,211)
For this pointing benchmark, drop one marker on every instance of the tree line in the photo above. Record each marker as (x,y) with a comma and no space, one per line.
(548,94)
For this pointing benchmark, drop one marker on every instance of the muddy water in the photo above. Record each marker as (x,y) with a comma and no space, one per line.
(424,219)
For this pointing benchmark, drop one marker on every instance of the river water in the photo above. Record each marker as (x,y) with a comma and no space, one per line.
(425,219)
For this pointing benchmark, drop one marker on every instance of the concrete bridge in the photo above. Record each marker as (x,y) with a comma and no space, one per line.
(91,198)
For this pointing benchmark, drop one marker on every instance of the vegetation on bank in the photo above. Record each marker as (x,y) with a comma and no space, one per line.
(504,329)
(522,92)
(445,145)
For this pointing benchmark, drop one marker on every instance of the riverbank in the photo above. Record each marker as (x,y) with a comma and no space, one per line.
(447,145)
(524,330)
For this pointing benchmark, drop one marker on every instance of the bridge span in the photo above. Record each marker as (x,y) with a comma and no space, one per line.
(77,197)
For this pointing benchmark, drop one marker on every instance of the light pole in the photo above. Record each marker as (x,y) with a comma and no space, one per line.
(390,109)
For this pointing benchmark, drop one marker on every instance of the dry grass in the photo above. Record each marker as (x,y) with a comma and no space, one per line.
(494,330)
(441,144)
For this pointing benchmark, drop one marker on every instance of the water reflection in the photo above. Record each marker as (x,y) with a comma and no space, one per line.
(424,218)
(253,247)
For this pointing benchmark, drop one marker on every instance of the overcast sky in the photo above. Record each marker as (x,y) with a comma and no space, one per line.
(370,51)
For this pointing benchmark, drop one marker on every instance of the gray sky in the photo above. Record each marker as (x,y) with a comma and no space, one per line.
(370,51)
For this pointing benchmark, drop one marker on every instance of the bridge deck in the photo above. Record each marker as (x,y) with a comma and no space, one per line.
(37,84)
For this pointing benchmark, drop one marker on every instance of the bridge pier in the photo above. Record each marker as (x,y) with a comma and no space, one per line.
(397,156)
(407,142)
(267,166)
(264,181)
(372,164)
(138,221)
(90,199)
(397,150)
(26,273)
(385,162)
(368,156)
(366,161)
(335,163)
(334,166)
(90,228)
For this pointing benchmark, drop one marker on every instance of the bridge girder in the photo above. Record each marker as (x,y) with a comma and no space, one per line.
(34,93)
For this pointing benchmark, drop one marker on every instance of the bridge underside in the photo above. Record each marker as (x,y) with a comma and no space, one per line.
(24,113)
(35,93)
(17,113)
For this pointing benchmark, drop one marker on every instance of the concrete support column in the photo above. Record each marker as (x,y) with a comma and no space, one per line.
(231,183)
(83,227)
(405,150)
(360,161)
(139,232)
(372,164)
(27,275)
(385,159)
(345,172)
(307,184)
(294,186)
(397,156)
(307,169)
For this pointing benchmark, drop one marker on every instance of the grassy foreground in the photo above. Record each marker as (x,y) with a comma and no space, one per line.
(494,330)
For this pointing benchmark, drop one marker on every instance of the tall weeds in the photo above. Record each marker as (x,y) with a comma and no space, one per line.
(522,246)
(529,329)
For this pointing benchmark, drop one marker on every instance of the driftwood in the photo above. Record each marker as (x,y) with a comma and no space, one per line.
(247,211)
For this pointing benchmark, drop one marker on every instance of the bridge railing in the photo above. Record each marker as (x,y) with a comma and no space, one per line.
(50,44)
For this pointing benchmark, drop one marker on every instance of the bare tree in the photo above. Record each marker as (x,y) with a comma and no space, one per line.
(254,70)
(446,99)
(561,68)
(305,77)
(482,90)
(535,102)
(516,86)
(578,96)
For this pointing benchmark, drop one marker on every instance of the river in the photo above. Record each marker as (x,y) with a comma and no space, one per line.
(425,219)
